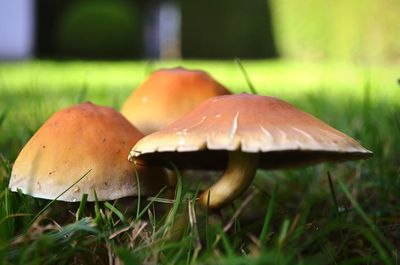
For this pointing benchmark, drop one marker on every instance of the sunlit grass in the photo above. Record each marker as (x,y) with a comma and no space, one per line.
(286,217)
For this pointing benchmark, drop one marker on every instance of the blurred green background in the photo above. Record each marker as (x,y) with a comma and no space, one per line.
(359,31)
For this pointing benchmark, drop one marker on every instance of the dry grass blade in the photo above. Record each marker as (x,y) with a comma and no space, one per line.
(116,233)
(137,231)
(192,215)
(161,200)
(110,254)
(293,225)
(36,230)
(240,209)
(236,214)
(254,246)
(194,231)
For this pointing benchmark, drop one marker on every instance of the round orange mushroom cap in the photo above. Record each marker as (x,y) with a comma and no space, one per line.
(72,142)
(243,132)
(167,95)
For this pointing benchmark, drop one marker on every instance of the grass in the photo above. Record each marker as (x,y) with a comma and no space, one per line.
(299,216)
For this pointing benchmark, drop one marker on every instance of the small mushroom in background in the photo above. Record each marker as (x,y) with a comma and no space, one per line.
(240,133)
(78,139)
(167,95)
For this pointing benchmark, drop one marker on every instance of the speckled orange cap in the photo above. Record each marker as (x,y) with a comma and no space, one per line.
(167,95)
(78,139)
(283,135)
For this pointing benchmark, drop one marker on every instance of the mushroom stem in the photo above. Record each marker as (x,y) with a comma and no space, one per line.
(237,177)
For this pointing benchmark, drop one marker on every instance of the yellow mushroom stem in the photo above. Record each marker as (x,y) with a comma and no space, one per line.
(237,177)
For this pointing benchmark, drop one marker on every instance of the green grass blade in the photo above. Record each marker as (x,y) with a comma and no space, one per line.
(3,117)
(267,219)
(207,228)
(283,233)
(356,205)
(10,224)
(115,211)
(178,195)
(150,203)
(82,94)
(225,241)
(97,213)
(367,103)
(85,224)
(82,206)
(138,193)
(335,203)
(396,119)
(127,256)
(246,76)
(377,244)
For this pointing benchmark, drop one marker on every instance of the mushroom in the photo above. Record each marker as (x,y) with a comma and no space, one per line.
(76,140)
(240,133)
(169,94)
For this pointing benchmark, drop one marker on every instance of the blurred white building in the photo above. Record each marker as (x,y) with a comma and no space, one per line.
(163,30)
(16,29)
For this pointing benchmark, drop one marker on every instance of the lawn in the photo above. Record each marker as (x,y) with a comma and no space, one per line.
(297,216)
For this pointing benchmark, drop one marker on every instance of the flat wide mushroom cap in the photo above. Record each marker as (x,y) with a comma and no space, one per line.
(72,142)
(281,134)
(167,95)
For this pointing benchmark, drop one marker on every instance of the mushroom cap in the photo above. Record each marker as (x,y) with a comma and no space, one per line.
(283,135)
(75,140)
(167,95)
